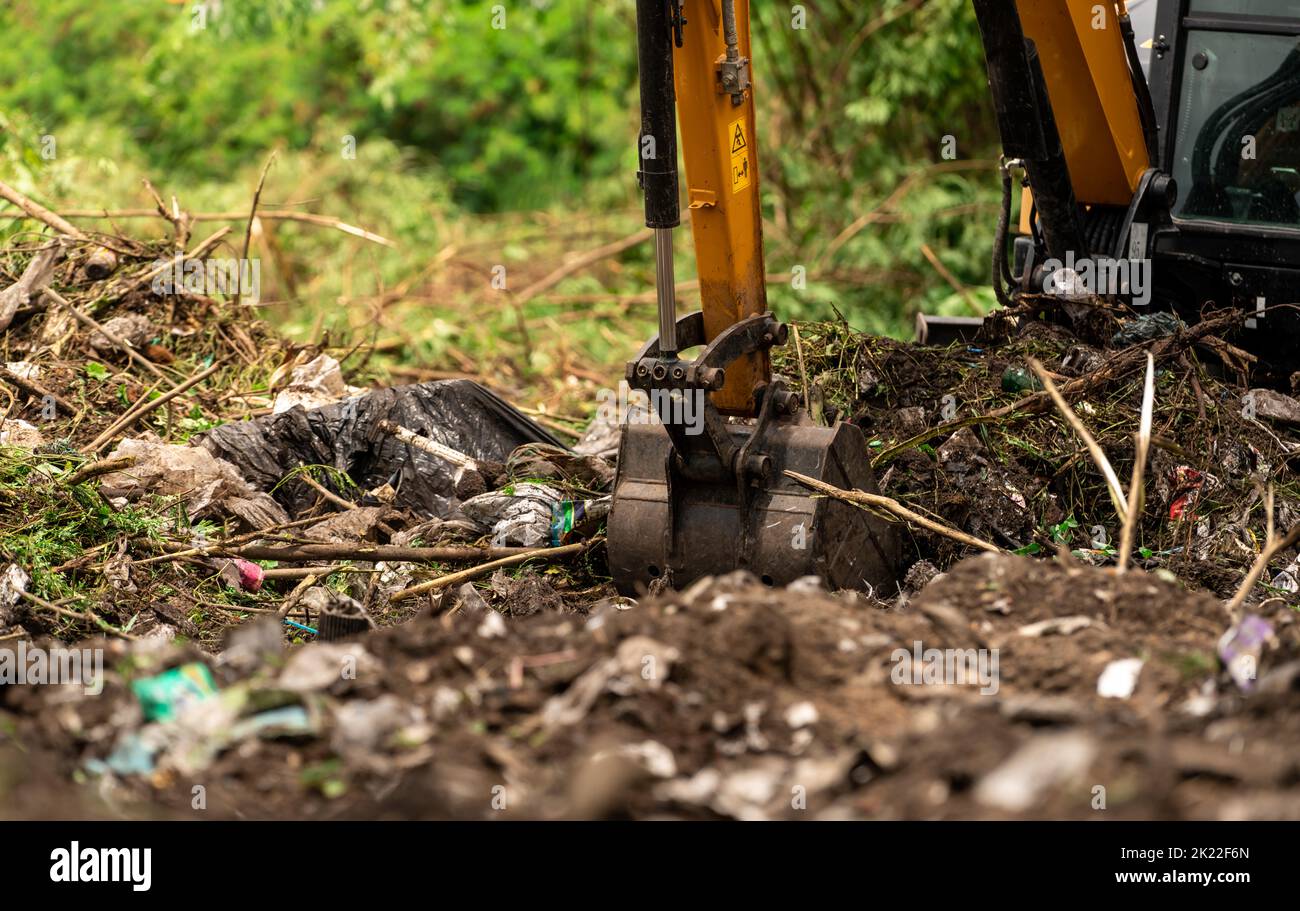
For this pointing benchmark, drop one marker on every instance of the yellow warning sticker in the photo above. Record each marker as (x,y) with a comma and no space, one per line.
(740,161)
(737,133)
(739,173)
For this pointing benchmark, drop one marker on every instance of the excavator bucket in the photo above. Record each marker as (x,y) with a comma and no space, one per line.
(668,527)
(698,495)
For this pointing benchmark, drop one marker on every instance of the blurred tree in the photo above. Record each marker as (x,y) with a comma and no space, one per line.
(879,127)
(869,114)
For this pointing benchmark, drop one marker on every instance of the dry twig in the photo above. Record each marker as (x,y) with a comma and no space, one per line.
(863,499)
(1135,490)
(144,406)
(546,554)
(1113,487)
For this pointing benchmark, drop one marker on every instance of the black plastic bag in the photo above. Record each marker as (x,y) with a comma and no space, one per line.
(459,414)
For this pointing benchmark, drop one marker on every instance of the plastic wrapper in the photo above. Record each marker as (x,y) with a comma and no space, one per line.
(517,516)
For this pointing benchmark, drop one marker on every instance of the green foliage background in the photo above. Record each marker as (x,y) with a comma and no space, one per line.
(458,124)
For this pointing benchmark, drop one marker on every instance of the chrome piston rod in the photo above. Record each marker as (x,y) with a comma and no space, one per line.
(666,289)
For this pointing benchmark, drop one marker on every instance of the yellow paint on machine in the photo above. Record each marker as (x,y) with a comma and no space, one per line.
(720,152)
(1086,67)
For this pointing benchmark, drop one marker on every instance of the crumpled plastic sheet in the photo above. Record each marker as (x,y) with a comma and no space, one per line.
(519,516)
(317,383)
(20,433)
(459,414)
(1147,328)
(206,483)
(13,582)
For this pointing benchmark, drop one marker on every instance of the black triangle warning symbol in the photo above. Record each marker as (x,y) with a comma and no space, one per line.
(738,141)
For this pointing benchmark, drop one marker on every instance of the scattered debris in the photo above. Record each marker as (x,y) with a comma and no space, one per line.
(1147,328)
(919,575)
(206,484)
(317,383)
(1120,678)
(1046,761)
(20,433)
(259,525)
(518,516)
(326,666)
(169,694)
(341,617)
(13,582)
(1059,626)
(1272,405)
(242,574)
(347,438)
(132,328)
(1242,646)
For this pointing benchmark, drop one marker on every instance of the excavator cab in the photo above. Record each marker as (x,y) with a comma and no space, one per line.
(1236,144)
(1225,79)
(1161,136)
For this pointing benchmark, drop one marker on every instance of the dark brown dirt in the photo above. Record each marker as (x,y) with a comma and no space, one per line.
(736,700)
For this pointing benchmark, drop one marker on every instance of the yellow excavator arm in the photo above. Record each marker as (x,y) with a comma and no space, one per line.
(1085,62)
(720,151)
(721,479)
(1105,144)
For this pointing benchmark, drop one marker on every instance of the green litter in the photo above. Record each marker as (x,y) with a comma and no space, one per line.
(1018,379)
(168,694)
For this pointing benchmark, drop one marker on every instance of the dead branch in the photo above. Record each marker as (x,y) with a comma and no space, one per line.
(307,218)
(861,498)
(198,252)
(88,617)
(180,226)
(31,284)
(39,212)
(36,389)
(374,553)
(578,263)
(1271,550)
(177,552)
(93,470)
(1135,490)
(145,406)
(298,572)
(252,216)
(545,554)
(946,274)
(296,595)
(446,453)
(329,495)
(117,340)
(1116,491)
(345,505)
